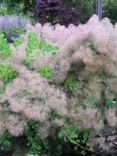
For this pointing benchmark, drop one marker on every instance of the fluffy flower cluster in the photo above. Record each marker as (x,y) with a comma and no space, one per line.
(30,97)
(88,54)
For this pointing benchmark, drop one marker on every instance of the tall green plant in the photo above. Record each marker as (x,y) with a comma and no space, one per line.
(5,51)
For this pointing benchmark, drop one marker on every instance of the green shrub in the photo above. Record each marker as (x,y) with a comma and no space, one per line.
(42,46)
(110,9)
(33,138)
(33,43)
(5,51)
(48,48)
(22,4)
(71,83)
(45,71)
(4,10)
(7,74)
(5,141)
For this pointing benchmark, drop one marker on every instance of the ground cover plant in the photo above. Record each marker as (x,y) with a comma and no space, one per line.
(58,95)
(12,23)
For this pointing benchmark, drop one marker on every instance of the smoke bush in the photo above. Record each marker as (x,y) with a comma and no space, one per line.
(78,81)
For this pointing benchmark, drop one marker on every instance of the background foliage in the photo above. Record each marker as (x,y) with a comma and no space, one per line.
(86,7)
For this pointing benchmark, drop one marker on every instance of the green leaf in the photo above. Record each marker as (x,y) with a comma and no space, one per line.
(5,51)
(61,135)
(45,71)
(7,144)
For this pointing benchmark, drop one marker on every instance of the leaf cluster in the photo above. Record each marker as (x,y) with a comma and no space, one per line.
(7,74)
(5,51)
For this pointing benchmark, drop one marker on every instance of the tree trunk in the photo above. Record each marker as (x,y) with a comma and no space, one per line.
(99,8)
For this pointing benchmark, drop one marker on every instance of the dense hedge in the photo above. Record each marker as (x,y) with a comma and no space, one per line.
(61,91)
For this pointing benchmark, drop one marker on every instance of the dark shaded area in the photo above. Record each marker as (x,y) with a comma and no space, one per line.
(17,143)
(71,154)
(9,37)
(8,153)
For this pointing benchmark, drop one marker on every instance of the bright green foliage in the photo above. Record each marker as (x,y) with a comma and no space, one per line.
(33,43)
(5,51)
(42,46)
(7,74)
(17,41)
(5,141)
(4,10)
(48,48)
(22,4)
(71,83)
(45,71)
